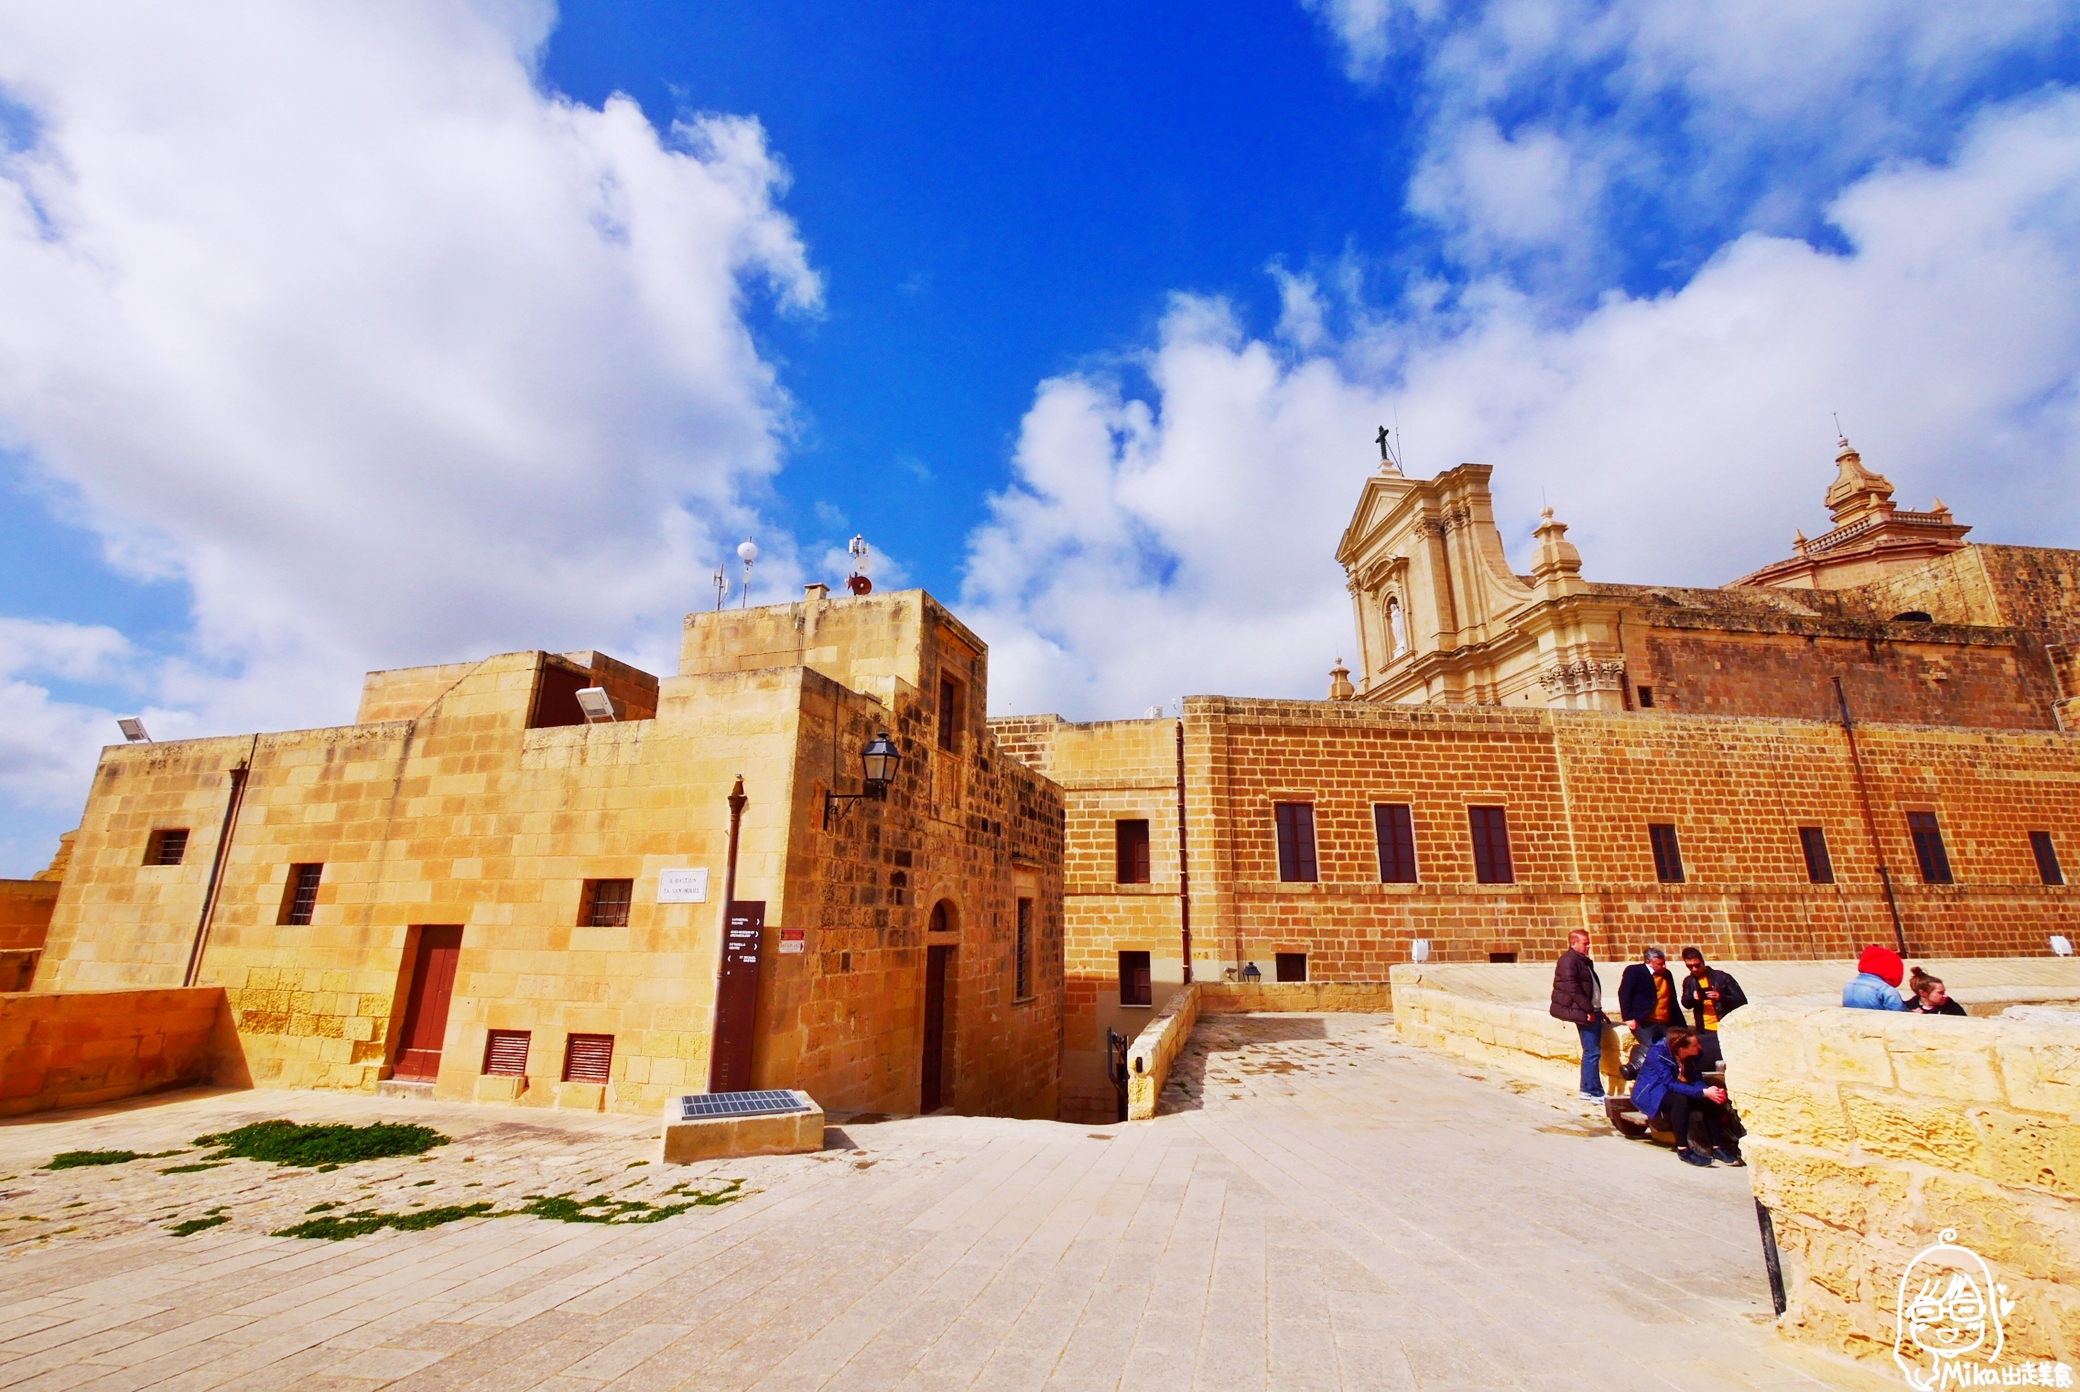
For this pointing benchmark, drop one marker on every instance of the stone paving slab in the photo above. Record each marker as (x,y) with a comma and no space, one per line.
(1319,1207)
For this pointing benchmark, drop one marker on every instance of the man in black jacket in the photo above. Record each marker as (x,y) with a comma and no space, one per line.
(1709,994)
(1578,998)
(1647,998)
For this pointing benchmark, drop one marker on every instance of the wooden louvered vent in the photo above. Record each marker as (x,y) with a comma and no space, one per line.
(505,1053)
(588,1058)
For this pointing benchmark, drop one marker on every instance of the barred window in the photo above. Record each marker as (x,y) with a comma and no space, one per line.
(300,893)
(606,903)
(166,847)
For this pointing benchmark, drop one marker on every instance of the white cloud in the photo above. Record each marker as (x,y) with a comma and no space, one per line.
(1596,117)
(1184,541)
(332,313)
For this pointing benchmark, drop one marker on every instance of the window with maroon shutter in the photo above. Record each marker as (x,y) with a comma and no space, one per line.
(505,1053)
(1130,841)
(1928,848)
(587,1057)
(1134,984)
(1295,841)
(1395,832)
(2047,858)
(1668,852)
(1491,858)
(1819,864)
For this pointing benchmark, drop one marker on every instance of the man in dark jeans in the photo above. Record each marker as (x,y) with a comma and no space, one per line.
(1647,1001)
(1578,998)
(1668,1090)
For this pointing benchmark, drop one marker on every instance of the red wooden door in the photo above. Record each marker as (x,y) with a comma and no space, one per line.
(933,1093)
(426,1010)
(736,998)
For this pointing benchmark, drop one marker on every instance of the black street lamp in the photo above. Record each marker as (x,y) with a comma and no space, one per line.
(878,764)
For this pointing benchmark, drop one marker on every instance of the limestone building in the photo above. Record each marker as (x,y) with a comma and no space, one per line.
(1524,754)
(476,892)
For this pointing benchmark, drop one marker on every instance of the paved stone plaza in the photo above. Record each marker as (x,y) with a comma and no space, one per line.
(1319,1207)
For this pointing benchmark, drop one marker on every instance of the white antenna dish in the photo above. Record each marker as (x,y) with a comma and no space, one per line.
(2061,945)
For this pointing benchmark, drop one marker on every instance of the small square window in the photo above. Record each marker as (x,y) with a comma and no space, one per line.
(1819,865)
(1134,985)
(606,904)
(505,1053)
(588,1058)
(2047,858)
(300,893)
(166,847)
(1646,698)
(1292,966)
(1668,854)
(1130,837)
(1502,957)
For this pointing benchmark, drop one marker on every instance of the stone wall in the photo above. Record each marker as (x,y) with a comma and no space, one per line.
(82,1048)
(1873,1135)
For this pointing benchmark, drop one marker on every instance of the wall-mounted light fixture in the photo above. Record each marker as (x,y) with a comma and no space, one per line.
(597,705)
(133,730)
(878,764)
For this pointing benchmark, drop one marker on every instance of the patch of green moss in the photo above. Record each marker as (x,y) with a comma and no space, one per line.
(324,1147)
(192,1169)
(77,1159)
(363,1221)
(214,1218)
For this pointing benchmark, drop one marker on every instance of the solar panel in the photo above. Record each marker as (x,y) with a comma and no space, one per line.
(771,1102)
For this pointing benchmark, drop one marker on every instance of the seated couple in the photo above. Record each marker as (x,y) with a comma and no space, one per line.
(1671,1092)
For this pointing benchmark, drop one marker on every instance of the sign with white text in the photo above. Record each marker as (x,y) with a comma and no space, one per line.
(682,886)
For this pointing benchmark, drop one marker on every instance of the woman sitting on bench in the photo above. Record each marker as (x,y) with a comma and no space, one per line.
(1664,1093)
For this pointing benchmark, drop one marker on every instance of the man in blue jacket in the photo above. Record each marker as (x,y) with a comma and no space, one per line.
(1663,1092)
(1648,999)
(1876,983)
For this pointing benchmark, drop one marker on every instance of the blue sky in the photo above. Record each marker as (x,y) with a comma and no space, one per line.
(353,337)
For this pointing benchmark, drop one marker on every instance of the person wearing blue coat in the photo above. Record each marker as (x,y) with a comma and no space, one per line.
(1664,1093)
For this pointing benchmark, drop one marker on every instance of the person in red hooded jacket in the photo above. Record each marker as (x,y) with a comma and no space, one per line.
(1876,983)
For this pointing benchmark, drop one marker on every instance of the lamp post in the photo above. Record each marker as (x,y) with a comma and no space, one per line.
(878,764)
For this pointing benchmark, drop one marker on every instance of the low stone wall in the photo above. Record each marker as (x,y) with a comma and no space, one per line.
(1153,1051)
(77,1048)
(1874,1136)
(1157,1046)
(1301,997)
(1432,1007)
(1494,1014)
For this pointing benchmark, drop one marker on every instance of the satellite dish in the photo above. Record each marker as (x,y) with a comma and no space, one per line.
(1419,950)
(2060,945)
